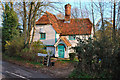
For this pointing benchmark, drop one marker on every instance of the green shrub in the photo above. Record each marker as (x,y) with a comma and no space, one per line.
(78,74)
(38,47)
(31,53)
(72,56)
(97,57)
(14,47)
(27,54)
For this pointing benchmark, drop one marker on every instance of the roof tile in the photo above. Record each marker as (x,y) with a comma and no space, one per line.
(76,26)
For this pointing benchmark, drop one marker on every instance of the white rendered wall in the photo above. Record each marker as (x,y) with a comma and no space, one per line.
(50,34)
(57,36)
(74,42)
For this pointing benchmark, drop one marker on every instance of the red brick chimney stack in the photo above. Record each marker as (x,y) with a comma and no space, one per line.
(67,12)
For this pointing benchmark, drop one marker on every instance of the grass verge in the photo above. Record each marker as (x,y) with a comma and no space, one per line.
(21,61)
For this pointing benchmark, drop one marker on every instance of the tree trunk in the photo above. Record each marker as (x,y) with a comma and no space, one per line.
(29,24)
(24,22)
(114,12)
(33,22)
(101,13)
(93,19)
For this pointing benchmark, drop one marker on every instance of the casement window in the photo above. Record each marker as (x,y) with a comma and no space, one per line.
(42,36)
(72,37)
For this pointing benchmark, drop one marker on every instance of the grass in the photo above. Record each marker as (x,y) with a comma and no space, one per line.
(19,59)
(65,60)
(12,58)
(35,63)
(68,61)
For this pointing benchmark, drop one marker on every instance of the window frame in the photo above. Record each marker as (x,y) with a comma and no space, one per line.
(42,38)
(72,37)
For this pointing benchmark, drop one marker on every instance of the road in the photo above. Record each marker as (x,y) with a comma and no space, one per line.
(10,70)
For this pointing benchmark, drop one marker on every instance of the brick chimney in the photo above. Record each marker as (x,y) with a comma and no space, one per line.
(67,12)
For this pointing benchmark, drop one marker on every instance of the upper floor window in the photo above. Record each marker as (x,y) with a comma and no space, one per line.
(72,37)
(42,35)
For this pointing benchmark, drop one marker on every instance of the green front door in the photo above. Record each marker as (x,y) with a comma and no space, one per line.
(61,51)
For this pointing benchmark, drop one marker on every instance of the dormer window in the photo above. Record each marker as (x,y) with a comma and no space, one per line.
(72,37)
(42,36)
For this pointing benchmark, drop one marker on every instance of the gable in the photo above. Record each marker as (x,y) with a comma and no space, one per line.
(49,18)
(78,26)
(64,40)
(43,20)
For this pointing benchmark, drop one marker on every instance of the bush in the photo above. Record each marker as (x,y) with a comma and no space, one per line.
(31,53)
(38,47)
(14,47)
(28,54)
(72,56)
(97,57)
(77,74)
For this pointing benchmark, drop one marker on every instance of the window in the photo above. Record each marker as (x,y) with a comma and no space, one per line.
(42,35)
(44,48)
(72,37)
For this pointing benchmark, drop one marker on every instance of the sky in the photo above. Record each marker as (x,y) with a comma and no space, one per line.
(74,3)
(59,0)
(0,16)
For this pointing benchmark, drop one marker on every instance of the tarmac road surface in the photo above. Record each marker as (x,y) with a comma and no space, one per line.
(10,70)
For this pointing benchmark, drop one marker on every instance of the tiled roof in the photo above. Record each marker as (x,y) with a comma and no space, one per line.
(49,18)
(65,41)
(76,26)
(43,20)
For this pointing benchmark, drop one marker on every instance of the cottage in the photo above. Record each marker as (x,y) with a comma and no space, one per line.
(60,35)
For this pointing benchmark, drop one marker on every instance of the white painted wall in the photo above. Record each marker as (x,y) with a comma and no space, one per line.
(57,36)
(50,39)
(50,34)
(74,42)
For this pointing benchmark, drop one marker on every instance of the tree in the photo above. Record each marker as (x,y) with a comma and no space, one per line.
(93,17)
(30,11)
(10,24)
(108,25)
(118,19)
(98,57)
(114,14)
(79,13)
